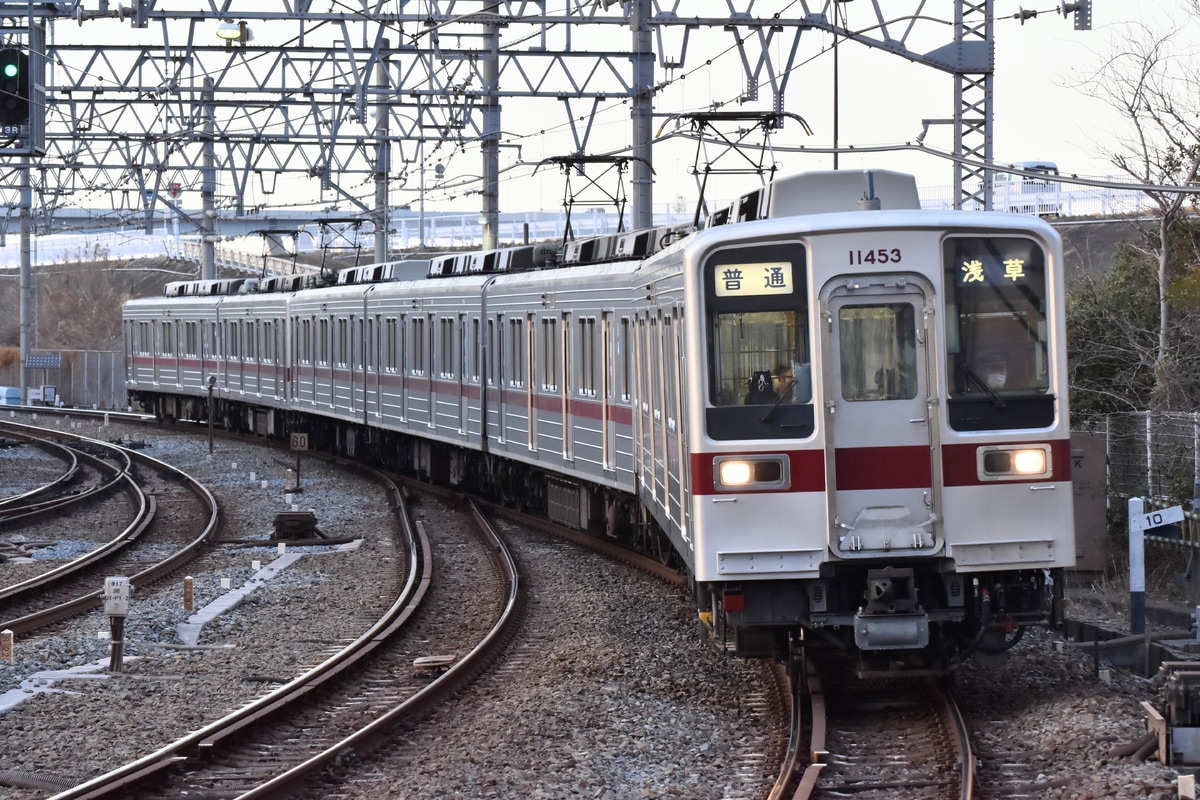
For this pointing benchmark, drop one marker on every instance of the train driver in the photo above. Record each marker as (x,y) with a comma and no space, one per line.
(770,387)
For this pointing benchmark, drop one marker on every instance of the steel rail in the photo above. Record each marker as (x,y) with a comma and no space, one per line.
(61,452)
(146,576)
(598,544)
(284,785)
(117,783)
(808,785)
(115,474)
(143,515)
(962,739)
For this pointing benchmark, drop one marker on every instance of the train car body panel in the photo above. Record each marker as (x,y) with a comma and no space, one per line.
(844,416)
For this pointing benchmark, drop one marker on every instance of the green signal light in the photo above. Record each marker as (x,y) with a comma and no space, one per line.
(11,70)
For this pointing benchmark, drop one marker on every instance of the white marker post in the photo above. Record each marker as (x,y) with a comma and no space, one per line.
(1139,522)
(1137,568)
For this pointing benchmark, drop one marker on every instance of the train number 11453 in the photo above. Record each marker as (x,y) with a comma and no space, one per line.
(883,255)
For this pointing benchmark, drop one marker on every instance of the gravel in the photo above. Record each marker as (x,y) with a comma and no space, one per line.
(617,699)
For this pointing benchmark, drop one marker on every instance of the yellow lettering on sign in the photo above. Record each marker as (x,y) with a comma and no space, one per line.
(1014,268)
(748,280)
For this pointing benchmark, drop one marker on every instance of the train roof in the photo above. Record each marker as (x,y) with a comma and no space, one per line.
(806,193)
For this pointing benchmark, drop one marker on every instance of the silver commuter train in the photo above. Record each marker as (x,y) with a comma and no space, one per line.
(845,416)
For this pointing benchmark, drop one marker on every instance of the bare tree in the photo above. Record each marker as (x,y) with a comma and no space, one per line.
(1151,80)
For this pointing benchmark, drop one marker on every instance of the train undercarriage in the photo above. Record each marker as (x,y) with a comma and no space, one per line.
(918,620)
(926,619)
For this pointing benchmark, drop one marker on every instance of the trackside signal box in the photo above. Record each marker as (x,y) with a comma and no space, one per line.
(116,596)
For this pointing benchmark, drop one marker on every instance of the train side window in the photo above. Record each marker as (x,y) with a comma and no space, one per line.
(997,348)
(370,354)
(448,342)
(549,365)
(587,356)
(391,343)
(492,363)
(417,354)
(360,344)
(669,368)
(624,344)
(471,348)
(251,353)
(232,340)
(343,342)
(566,369)
(516,330)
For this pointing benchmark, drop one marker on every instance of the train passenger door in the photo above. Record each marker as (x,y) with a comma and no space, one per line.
(881,432)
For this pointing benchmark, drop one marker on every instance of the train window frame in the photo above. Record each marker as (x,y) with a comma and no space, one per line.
(566,356)
(470,346)
(391,345)
(491,364)
(623,345)
(781,302)
(323,334)
(367,335)
(548,367)
(517,339)
(999,375)
(252,331)
(587,356)
(268,341)
(447,344)
(233,341)
(417,343)
(342,343)
(902,372)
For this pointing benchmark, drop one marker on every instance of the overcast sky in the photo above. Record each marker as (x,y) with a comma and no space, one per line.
(1040,113)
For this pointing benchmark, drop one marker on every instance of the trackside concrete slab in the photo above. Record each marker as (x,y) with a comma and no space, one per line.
(43,682)
(189,632)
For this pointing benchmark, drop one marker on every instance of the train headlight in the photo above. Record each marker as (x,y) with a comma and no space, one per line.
(734,473)
(750,473)
(1014,461)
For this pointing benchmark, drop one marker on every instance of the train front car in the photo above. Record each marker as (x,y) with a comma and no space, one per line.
(881,460)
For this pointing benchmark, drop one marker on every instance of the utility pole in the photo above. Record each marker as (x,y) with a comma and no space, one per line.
(383,153)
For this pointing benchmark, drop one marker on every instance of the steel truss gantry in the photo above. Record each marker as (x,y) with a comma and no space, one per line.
(354,95)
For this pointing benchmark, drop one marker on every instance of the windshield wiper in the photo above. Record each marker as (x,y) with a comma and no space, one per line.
(980,384)
(783,395)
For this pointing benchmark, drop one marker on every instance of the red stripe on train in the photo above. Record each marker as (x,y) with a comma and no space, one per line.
(866,468)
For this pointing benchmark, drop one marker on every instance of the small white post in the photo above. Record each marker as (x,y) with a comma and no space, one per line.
(1137,568)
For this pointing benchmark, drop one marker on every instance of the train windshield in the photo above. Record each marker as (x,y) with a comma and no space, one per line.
(996,334)
(758,342)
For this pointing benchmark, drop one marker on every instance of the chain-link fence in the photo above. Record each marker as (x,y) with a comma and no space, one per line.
(83,379)
(1151,453)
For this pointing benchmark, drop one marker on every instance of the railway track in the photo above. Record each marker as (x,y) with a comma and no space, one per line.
(348,703)
(884,738)
(15,505)
(179,526)
(88,464)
